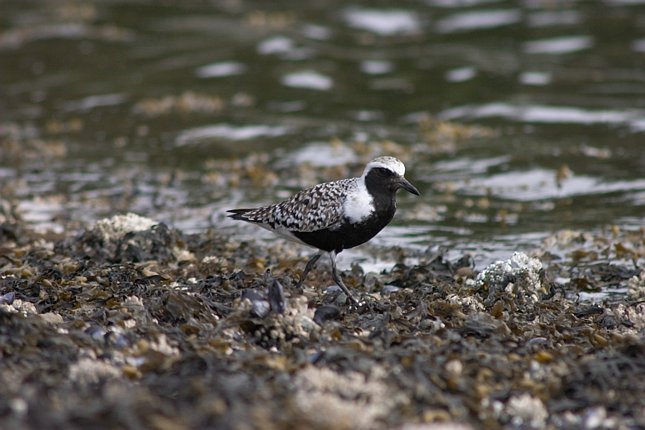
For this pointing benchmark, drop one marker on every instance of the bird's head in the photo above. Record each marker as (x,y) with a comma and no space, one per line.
(387,173)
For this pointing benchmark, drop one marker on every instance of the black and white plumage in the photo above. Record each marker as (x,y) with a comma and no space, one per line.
(338,215)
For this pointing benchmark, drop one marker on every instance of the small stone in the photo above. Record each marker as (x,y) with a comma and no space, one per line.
(90,370)
(390,289)
(497,310)
(277,301)
(51,318)
(7,298)
(454,367)
(326,313)
(543,357)
(527,411)
(119,225)
(131,372)
(19,406)
(595,417)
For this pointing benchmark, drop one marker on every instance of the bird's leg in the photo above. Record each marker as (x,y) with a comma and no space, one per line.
(310,265)
(339,282)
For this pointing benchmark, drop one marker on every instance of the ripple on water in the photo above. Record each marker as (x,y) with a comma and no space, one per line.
(40,212)
(285,48)
(376,67)
(230,132)
(558,45)
(548,114)
(276,45)
(553,18)
(478,20)
(308,79)
(317,32)
(466,166)
(638,45)
(538,184)
(459,3)
(383,22)
(7,172)
(461,74)
(530,77)
(321,154)
(220,69)
(92,102)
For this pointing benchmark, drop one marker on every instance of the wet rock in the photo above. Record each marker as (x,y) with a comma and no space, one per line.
(277,301)
(326,313)
(333,289)
(130,238)
(636,287)
(483,325)
(51,318)
(596,418)
(329,400)
(90,334)
(89,371)
(518,278)
(7,298)
(438,426)
(113,229)
(390,289)
(265,302)
(526,411)
(96,332)
(9,219)
(260,306)
(20,306)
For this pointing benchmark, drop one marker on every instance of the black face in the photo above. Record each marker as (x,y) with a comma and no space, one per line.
(382,180)
(383,173)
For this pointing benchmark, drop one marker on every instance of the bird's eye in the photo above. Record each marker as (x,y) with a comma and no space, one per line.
(385,172)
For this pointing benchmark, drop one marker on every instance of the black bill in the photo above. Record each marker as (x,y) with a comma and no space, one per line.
(406,185)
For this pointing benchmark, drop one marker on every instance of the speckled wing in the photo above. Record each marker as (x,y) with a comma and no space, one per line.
(309,210)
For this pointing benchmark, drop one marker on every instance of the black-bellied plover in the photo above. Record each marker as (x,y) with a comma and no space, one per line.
(338,215)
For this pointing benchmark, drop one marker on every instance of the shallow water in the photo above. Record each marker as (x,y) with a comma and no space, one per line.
(515,119)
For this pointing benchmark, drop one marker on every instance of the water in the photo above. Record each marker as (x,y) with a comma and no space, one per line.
(515,119)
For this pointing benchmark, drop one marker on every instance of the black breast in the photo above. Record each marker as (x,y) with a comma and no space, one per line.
(346,236)
(349,235)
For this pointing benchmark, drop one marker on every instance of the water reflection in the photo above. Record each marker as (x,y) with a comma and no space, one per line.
(383,22)
(309,79)
(220,69)
(477,20)
(634,119)
(558,45)
(229,132)
(179,111)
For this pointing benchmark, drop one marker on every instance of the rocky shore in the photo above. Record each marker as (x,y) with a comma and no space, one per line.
(133,324)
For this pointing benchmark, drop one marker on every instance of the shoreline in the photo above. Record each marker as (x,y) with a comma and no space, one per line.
(138,324)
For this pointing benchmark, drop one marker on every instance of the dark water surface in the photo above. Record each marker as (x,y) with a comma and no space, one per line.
(515,119)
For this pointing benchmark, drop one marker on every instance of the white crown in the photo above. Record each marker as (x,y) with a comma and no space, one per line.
(389,163)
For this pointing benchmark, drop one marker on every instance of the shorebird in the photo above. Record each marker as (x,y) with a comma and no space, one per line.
(337,215)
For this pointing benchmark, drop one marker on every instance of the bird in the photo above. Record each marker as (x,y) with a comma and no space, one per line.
(338,215)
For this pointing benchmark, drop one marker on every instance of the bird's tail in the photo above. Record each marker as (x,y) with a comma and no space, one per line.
(239,214)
